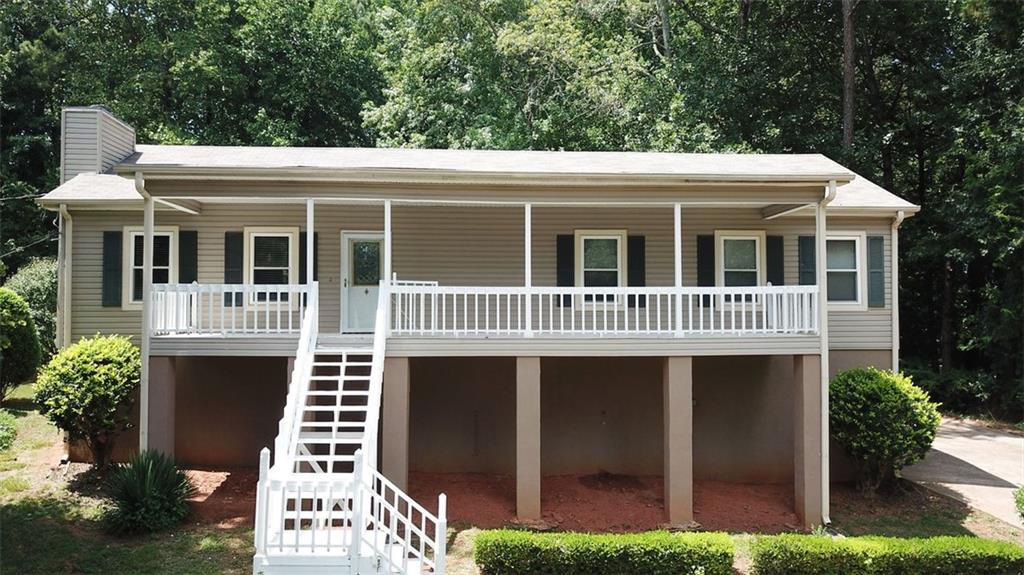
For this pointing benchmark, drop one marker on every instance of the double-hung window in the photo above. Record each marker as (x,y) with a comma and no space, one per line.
(271,259)
(600,261)
(164,262)
(740,258)
(845,269)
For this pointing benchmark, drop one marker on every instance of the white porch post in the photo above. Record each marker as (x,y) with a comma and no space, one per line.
(528,265)
(147,313)
(678,251)
(820,264)
(387,241)
(895,283)
(309,243)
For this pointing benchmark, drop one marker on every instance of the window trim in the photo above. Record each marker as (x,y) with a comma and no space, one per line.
(621,235)
(859,239)
(759,236)
(248,255)
(128,260)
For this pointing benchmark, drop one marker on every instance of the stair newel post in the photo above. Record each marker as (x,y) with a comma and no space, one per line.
(441,534)
(357,506)
(261,502)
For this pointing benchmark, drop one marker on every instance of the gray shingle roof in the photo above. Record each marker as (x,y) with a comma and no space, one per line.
(739,166)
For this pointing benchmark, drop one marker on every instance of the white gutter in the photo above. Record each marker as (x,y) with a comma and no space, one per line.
(895,258)
(64,276)
(830,194)
(147,288)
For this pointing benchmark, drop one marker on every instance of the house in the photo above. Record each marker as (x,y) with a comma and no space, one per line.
(367,312)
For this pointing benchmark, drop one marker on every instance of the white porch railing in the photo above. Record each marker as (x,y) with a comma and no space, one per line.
(424,310)
(228,309)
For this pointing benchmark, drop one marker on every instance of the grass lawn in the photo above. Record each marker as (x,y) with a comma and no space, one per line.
(51,523)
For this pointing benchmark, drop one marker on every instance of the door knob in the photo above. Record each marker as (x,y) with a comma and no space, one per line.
(366,291)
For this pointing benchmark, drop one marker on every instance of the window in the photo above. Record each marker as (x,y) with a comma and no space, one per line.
(164,262)
(601,260)
(844,257)
(740,258)
(272,256)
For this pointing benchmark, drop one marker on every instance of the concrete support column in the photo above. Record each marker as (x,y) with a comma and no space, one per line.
(528,438)
(807,478)
(162,375)
(677,386)
(395,459)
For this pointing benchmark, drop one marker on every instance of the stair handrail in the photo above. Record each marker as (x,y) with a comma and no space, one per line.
(291,419)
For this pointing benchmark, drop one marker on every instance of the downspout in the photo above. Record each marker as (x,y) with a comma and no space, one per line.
(900,216)
(64,273)
(147,287)
(830,194)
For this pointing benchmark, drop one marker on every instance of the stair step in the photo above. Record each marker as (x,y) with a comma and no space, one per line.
(341,377)
(341,392)
(348,408)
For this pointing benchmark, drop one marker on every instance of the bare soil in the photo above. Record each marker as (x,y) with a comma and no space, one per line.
(224,498)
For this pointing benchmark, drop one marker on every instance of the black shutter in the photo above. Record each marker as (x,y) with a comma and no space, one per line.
(636,273)
(805,257)
(776,260)
(302,257)
(112,268)
(188,256)
(706,264)
(565,261)
(876,271)
(233,265)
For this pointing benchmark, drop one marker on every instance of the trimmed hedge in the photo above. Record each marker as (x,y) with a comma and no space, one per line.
(508,552)
(821,555)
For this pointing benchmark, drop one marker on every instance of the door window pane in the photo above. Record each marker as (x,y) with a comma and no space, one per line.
(366,263)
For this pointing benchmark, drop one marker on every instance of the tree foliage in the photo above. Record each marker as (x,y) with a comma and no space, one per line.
(19,343)
(938,106)
(37,283)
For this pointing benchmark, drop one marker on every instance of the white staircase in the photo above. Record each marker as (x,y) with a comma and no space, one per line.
(323,507)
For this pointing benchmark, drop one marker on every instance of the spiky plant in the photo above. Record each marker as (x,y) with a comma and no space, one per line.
(150,494)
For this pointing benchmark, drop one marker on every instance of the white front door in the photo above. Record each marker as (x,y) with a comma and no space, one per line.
(361,261)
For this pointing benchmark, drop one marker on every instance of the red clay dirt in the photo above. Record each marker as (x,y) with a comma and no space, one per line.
(606,502)
(225,498)
(601,502)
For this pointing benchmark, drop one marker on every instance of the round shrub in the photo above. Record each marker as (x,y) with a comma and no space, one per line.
(19,343)
(87,391)
(8,429)
(37,283)
(149,494)
(882,420)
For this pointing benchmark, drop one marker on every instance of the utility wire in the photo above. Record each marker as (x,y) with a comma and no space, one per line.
(49,237)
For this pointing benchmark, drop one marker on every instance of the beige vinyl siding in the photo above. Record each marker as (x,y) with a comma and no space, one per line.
(93,141)
(462,245)
(117,141)
(79,144)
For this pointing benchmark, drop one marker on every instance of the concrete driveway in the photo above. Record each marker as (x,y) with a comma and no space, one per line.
(975,464)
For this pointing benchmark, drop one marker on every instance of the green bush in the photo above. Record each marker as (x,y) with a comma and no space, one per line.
(508,552)
(87,391)
(8,430)
(1018,498)
(37,283)
(149,493)
(820,555)
(19,343)
(882,420)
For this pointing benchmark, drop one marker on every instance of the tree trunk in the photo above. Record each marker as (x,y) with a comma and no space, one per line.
(666,29)
(100,448)
(946,329)
(848,73)
(887,169)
